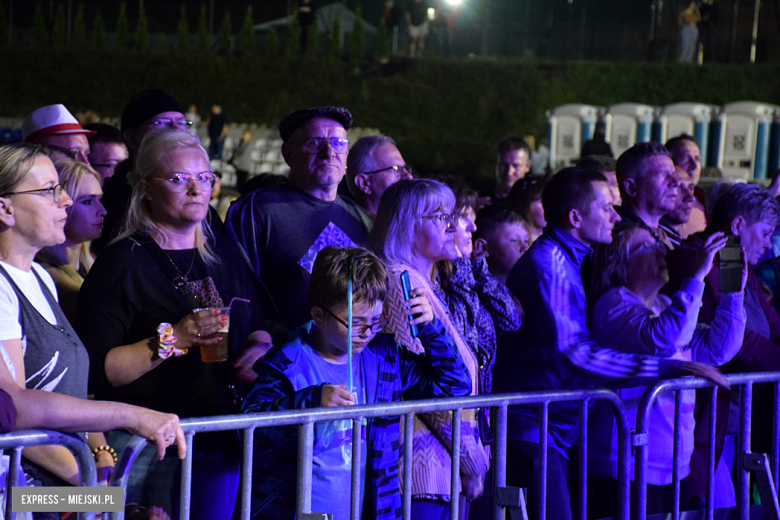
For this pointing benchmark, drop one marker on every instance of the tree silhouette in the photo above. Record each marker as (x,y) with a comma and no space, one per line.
(356,51)
(334,49)
(122,29)
(183,32)
(313,40)
(203,31)
(39,28)
(59,34)
(247,40)
(79,30)
(225,40)
(382,41)
(294,37)
(142,30)
(98,32)
(272,43)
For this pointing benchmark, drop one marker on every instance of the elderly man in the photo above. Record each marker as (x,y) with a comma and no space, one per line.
(55,127)
(686,154)
(107,149)
(554,349)
(751,213)
(282,228)
(648,186)
(374,164)
(146,112)
(513,162)
(672,222)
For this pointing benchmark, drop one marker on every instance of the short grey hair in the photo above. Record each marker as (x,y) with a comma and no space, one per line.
(749,201)
(400,213)
(361,155)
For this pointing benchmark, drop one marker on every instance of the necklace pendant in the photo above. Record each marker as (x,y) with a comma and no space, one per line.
(179,281)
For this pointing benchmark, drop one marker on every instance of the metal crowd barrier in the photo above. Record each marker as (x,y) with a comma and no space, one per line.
(504,497)
(746,461)
(15,441)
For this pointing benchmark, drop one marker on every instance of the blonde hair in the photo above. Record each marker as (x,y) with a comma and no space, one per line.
(400,213)
(610,261)
(139,217)
(71,174)
(16,159)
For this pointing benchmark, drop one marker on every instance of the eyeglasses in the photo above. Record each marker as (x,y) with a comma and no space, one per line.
(71,153)
(180,182)
(54,193)
(180,124)
(396,169)
(359,330)
(446,220)
(317,144)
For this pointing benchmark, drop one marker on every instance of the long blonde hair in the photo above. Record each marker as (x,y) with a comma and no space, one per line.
(147,163)
(71,174)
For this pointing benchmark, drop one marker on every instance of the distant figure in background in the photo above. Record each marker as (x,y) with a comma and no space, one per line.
(417,21)
(598,145)
(192,115)
(540,156)
(242,159)
(217,128)
(306,17)
(672,222)
(607,166)
(513,162)
(390,15)
(686,154)
(107,149)
(707,29)
(688,32)
(444,22)
(526,199)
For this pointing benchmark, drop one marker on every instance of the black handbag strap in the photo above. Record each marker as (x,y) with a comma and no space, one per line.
(166,265)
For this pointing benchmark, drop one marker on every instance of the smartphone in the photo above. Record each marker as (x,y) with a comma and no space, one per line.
(406,285)
(730,260)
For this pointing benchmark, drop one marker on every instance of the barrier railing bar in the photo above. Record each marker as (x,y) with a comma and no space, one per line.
(357,458)
(13,475)
(121,473)
(543,461)
(743,479)
(583,451)
(455,466)
(624,452)
(246,472)
(305,451)
(499,455)
(677,448)
(408,439)
(775,460)
(711,453)
(186,479)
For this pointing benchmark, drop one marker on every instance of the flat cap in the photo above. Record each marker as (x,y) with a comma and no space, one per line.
(299,118)
(146,105)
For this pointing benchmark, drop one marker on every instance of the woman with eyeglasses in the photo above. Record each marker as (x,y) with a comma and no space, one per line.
(68,263)
(153,302)
(414,229)
(631,316)
(37,343)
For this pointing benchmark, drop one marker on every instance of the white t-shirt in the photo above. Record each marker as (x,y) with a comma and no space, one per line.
(10,328)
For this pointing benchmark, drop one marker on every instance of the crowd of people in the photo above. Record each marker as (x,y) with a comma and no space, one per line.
(120,280)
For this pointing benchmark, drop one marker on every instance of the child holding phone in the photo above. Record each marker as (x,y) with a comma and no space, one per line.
(311,371)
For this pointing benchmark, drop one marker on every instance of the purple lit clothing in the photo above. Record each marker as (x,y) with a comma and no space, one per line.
(554,349)
(621,320)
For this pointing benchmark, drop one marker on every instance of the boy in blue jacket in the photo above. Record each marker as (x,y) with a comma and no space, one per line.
(311,371)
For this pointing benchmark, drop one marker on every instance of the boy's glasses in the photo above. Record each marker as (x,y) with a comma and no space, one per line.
(360,329)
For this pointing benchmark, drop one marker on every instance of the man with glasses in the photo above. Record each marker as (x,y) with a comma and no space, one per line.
(283,228)
(55,127)
(146,112)
(374,164)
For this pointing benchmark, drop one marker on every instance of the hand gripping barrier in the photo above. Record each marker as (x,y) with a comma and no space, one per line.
(17,440)
(505,497)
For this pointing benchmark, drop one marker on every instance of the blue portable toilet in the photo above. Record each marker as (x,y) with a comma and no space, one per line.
(744,139)
(685,118)
(774,145)
(628,124)
(568,127)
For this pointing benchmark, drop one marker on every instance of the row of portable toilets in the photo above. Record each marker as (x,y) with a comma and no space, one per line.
(741,139)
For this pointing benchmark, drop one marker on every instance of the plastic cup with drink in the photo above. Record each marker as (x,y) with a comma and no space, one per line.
(220,350)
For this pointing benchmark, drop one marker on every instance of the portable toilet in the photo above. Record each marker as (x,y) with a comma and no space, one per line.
(628,124)
(744,139)
(685,118)
(568,127)
(774,145)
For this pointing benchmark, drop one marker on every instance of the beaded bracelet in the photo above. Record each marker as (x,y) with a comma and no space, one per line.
(166,341)
(104,448)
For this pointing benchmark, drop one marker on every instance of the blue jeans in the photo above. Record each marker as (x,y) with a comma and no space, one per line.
(215,476)
(215,148)
(523,470)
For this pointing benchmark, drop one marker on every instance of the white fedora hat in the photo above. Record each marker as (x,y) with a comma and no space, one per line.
(51,120)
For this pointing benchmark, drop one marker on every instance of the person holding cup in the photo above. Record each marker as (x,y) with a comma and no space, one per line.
(158,293)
